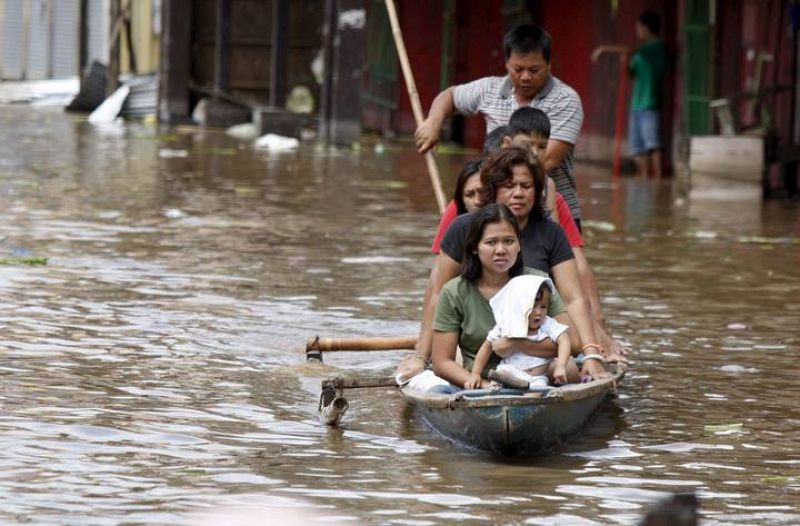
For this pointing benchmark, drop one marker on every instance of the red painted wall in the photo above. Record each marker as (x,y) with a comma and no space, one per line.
(576,26)
(421,23)
(571,25)
(479,52)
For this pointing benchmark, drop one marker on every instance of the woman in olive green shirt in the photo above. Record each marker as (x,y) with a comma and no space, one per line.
(463,314)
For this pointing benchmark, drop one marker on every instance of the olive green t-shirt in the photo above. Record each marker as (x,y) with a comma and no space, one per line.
(648,66)
(462,309)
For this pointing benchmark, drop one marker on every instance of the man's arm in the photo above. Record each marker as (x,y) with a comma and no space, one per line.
(551,199)
(556,151)
(427,134)
(444,269)
(565,275)
(609,48)
(589,285)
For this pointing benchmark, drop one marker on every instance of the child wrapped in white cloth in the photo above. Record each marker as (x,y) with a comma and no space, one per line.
(520,311)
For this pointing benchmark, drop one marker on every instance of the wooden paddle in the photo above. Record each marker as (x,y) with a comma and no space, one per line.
(315,346)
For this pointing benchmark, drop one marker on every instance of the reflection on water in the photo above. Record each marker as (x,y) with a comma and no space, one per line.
(153,370)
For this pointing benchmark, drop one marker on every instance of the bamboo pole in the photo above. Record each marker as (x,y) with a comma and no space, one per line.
(360,344)
(359,382)
(408,75)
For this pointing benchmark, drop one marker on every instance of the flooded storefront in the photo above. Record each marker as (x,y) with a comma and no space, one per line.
(153,369)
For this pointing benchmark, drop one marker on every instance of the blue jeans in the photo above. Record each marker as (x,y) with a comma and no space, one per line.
(444,389)
(643,131)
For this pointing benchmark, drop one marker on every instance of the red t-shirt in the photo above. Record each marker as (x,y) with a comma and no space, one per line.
(567,222)
(564,218)
(450,213)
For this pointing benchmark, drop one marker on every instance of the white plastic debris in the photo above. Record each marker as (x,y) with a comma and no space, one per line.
(174,213)
(166,153)
(110,108)
(275,142)
(245,132)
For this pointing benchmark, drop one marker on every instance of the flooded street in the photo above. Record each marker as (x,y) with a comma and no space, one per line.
(153,370)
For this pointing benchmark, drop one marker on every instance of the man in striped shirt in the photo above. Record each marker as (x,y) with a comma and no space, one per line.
(528,83)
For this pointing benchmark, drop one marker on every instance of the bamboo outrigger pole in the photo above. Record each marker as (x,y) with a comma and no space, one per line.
(408,75)
(315,346)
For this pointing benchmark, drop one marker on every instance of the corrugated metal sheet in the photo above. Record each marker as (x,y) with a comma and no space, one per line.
(40,39)
(37,65)
(65,39)
(12,35)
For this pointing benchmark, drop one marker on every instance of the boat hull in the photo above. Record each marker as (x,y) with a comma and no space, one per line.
(509,423)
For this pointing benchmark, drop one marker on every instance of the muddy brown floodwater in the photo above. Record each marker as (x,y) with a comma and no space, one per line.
(153,371)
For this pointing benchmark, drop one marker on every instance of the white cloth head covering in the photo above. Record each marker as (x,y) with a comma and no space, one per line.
(513,304)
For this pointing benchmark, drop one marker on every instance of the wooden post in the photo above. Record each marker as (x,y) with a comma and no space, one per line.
(173,104)
(83,38)
(113,48)
(279,53)
(349,44)
(222,46)
(126,13)
(326,93)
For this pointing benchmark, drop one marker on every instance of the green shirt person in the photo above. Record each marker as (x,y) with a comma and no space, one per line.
(648,66)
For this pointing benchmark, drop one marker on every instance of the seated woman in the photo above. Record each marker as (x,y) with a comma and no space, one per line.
(467,197)
(463,313)
(513,178)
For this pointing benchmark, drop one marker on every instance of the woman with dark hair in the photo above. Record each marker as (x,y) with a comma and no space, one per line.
(468,196)
(513,178)
(464,317)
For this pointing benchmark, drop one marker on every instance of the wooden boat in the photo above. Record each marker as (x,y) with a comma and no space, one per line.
(502,421)
(510,422)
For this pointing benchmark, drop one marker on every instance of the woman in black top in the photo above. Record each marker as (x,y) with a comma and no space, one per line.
(514,178)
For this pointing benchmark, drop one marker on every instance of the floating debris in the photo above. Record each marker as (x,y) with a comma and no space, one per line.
(108,111)
(216,151)
(769,240)
(167,153)
(723,429)
(375,259)
(706,234)
(174,213)
(737,326)
(31,261)
(734,368)
(605,226)
(275,142)
(780,479)
(246,131)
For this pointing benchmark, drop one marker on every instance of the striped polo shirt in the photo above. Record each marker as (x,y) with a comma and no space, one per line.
(494,98)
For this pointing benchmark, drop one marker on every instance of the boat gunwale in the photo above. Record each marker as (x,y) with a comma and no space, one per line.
(567,393)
